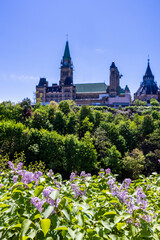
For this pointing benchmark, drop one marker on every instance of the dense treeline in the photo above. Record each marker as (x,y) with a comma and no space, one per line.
(71,138)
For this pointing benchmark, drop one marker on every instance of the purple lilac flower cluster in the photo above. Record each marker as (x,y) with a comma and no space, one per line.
(11,165)
(1,185)
(77,191)
(27,177)
(132,203)
(46,193)
(50,173)
(102,172)
(121,192)
(38,203)
(83,175)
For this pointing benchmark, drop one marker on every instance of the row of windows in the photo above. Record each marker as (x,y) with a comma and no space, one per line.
(54,96)
(48,99)
(87,97)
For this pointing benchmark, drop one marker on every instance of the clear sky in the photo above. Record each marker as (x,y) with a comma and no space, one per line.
(33,36)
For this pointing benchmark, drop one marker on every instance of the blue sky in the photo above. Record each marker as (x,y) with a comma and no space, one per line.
(33,36)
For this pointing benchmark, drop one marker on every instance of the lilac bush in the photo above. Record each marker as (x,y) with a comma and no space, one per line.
(38,206)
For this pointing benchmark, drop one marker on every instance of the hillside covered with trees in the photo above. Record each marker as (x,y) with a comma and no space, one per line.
(68,138)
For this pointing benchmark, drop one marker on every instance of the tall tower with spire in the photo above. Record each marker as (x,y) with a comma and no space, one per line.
(114,80)
(148,88)
(66,72)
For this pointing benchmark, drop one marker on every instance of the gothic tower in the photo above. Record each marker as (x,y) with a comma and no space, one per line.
(66,74)
(114,80)
(148,88)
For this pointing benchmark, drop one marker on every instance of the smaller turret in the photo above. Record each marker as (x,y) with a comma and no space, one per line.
(127,89)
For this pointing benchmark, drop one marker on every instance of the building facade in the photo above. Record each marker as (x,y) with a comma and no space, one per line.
(148,88)
(65,90)
(86,93)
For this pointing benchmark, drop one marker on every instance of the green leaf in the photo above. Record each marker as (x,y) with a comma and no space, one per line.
(113,237)
(45,225)
(25,226)
(38,191)
(54,195)
(37,216)
(72,233)
(110,214)
(133,230)
(24,238)
(66,213)
(48,211)
(79,236)
(61,228)
(80,220)
(4,205)
(16,226)
(107,225)
(117,219)
(120,226)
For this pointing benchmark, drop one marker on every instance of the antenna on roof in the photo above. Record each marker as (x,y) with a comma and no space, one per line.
(148,59)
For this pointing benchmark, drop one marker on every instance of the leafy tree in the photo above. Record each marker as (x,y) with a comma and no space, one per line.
(154,102)
(64,107)
(86,111)
(113,160)
(118,118)
(111,131)
(108,117)
(98,116)
(147,125)
(51,150)
(152,142)
(40,119)
(85,126)
(87,153)
(152,162)
(138,102)
(155,114)
(26,108)
(59,123)
(102,144)
(129,131)
(54,105)
(11,137)
(72,123)
(133,163)
(51,113)
(71,161)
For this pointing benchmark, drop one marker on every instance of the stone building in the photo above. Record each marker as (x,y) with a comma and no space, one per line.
(86,93)
(65,90)
(148,88)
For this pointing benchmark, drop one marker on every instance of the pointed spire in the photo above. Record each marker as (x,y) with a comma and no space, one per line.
(113,65)
(67,52)
(127,88)
(148,73)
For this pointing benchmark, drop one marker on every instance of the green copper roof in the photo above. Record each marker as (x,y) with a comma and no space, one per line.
(66,52)
(91,87)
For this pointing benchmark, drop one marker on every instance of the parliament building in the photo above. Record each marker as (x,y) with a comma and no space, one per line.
(86,93)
